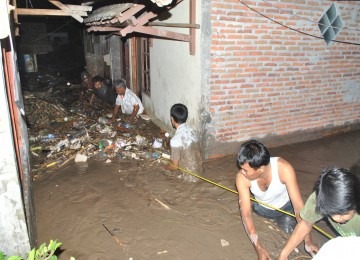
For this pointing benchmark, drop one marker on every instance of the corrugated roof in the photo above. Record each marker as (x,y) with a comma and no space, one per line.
(107,12)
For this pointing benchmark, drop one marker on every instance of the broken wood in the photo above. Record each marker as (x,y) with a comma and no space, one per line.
(159,33)
(116,239)
(163,204)
(50,12)
(178,25)
(67,9)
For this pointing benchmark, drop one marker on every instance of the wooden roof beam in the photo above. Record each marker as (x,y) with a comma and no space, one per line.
(160,33)
(51,12)
(103,29)
(80,8)
(192,31)
(67,9)
(145,19)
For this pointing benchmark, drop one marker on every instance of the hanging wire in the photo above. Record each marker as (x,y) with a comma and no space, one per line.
(50,33)
(307,19)
(293,29)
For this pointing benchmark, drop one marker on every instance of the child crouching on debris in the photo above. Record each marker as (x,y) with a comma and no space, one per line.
(86,84)
(272,180)
(128,101)
(185,147)
(337,198)
(103,91)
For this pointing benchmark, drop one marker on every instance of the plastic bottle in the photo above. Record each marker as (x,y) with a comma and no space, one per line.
(125,125)
(155,155)
(47,137)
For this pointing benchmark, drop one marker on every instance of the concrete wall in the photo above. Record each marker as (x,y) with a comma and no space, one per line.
(174,73)
(14,239)
(115,57)
(279,84)
(101,51)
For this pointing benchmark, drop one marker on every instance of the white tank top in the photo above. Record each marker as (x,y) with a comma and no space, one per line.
(276,195)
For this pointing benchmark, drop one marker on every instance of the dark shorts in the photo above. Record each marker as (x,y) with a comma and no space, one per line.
(284,221)
(270,213)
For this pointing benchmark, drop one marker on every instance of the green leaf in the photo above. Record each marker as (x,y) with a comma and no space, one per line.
(32,254)
(53,257)
(53,245)
(14,258)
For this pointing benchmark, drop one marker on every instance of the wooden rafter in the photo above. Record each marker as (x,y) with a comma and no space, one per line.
(67,9)
(142,24)
(161,33)
(76,11)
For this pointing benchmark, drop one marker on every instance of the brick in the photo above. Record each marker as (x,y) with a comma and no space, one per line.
(259,69)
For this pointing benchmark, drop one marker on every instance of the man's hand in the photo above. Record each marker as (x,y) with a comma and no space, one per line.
(131,119)
(263,254)
(112,120)
(172,166)
(311,248)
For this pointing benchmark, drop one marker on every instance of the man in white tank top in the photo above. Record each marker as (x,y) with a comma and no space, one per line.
(272,180)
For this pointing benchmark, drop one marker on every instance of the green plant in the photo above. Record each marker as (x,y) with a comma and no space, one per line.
(44,252)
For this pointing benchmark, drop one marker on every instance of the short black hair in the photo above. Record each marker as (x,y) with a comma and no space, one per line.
(337,192)
(97,79)
(254,153)
(84,75)
(119,83)
(179,112)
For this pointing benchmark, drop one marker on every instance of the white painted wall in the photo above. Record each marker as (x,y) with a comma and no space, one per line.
(174,73)
(14,239)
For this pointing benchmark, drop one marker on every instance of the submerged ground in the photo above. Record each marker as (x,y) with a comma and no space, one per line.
(133,209)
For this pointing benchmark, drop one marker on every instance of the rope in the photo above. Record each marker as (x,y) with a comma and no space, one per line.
(257,201)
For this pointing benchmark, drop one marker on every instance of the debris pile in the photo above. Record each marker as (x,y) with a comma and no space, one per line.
(60,132)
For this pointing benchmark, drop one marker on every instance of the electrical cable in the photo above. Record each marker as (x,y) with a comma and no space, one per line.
(290,28)
(233,191)
(307,19)
(52,31)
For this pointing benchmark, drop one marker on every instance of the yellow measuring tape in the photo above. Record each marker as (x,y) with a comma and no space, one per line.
(257,201)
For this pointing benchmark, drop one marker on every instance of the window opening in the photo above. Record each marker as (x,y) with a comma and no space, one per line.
(330,24)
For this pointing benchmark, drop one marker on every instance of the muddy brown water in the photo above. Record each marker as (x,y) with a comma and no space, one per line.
(79,202)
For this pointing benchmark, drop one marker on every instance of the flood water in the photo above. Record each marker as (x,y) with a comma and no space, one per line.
(134,209)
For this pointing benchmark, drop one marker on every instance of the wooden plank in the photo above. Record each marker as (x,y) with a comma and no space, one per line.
(177,25)
(51,12)
(192,30)
(80,8)
(145,19)
(16,21)
(164,34)
(103,29)
(65,8)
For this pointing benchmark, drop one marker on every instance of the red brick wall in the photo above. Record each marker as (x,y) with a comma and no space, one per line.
(270,80)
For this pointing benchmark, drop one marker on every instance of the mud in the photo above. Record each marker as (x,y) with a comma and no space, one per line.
(133,209)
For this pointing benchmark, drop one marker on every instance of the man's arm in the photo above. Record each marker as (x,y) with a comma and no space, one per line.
(243,186)
(288,177)
(172,166)
(92,98)
(301,230)
(116,109)
(134,112)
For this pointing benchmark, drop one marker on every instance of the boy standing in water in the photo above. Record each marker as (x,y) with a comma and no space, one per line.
(185,147)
